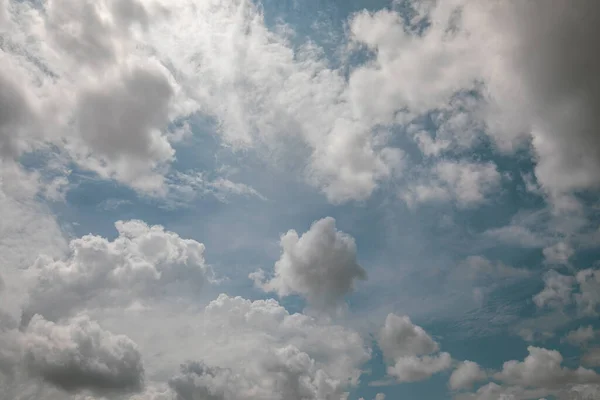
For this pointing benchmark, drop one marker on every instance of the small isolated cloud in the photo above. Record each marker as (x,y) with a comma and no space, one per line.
(413,355)
(320,265)
(466,374)
(78,354)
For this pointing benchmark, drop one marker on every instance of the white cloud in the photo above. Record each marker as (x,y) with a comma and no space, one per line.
(591,358)
(258,350)
(588,298)
(581,336)
(542,368)
(187,186)
(120,122)
(557,291)
(81,355)
(378,396)
(320,265)
(465,375)
(408,349)
(414,369)
(466,183)
(558,253)
(77,78)
(267,94)
(142,263)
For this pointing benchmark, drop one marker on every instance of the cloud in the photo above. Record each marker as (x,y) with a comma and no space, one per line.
(283,100)
(75,78)
(558,253)
(466,183)
(545,96)
(407,347)
(465,375)
(258,350)
(557,291)
(79,354)
(588,298)
(563,290)
(142,263)
(320,265)
(120,124)
(542,368)
(591,358)
(581,336)
(287,374)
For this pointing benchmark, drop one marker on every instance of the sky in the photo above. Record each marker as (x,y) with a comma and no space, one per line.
(299,200)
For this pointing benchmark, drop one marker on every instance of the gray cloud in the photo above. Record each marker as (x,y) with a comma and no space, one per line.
(79,355)
(412,354)
(121,122)
(320,265)
(142,263)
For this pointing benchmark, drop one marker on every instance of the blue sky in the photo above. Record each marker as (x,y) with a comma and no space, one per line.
(299,200)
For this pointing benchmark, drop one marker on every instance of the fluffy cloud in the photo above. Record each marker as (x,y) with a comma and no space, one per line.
(408,347)
(527,95)
(466,374)
(269,94)
(81,355)
(257,350)
(320,265)
(591,358)
(581,335)
(465,183)
(563,290)
(557,291)
(588,298)
(542,368)
(558,253)
(120,124)
(143,262)
(78,83)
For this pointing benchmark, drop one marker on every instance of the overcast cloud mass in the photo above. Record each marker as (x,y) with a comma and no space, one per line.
(283,200)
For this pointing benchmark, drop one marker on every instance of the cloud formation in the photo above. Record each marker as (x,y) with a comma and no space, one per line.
(413,354)
(320,265)
(142,263)
(79,354)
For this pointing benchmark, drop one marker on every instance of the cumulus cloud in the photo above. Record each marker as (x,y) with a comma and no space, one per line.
(591,358)
(557,290)
(581,336)
(288,374)
(465,375)
(588,298)
(559,253)
(581,290)
(120,126)
(320,265)
(258,350)
(545,96)
(143,262)
(466,183)
(75,84)
(79,354)
(409,349)
(542,368)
